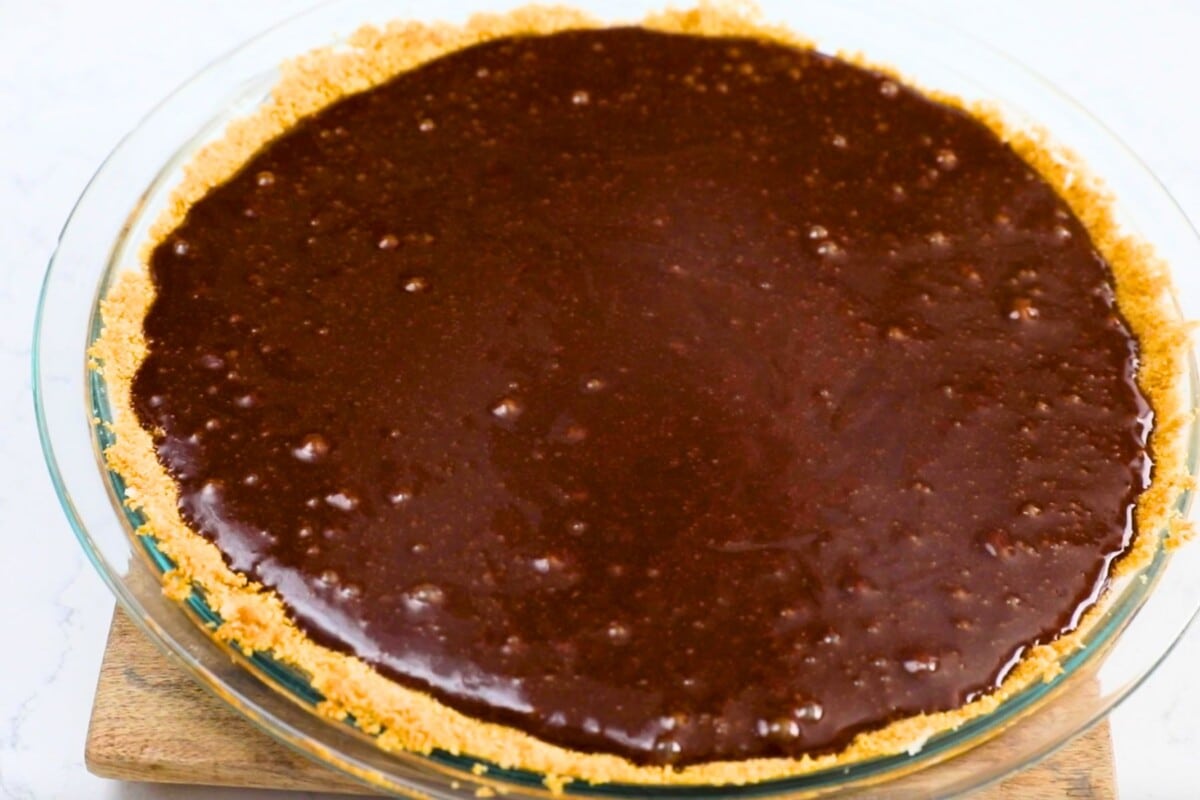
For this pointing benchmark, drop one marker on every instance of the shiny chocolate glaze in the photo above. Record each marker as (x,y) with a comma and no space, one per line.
(674,397)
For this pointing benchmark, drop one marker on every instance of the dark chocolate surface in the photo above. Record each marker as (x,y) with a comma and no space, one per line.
(680,398)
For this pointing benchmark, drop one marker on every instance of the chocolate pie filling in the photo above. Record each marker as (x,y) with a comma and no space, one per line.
(681,398)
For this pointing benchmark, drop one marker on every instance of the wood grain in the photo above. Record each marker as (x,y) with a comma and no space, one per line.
(182,734)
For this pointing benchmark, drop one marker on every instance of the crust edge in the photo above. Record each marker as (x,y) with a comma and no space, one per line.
(403,719)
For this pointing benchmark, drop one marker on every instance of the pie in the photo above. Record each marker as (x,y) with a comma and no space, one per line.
(657,404)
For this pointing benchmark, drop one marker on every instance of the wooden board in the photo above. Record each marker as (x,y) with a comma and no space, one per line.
(218,748)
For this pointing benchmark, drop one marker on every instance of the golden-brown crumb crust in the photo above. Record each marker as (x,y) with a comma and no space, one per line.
(402,719)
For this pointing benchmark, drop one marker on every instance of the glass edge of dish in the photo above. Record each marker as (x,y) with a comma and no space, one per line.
(162,640)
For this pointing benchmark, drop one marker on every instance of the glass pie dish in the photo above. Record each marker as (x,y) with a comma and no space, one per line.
(1143,615)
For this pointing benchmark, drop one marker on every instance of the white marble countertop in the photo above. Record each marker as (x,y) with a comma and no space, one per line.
(76,74)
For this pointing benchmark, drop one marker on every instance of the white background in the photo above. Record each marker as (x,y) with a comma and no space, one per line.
(76,74)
